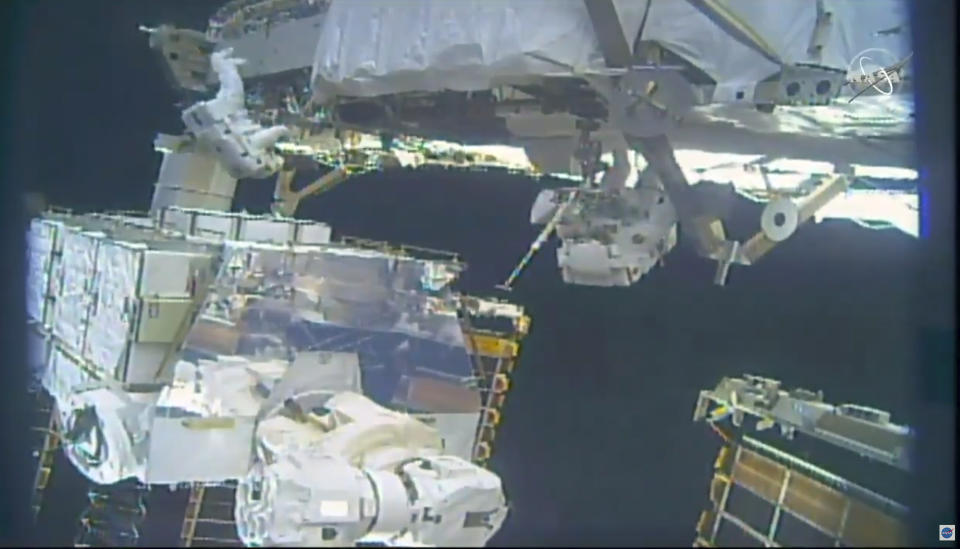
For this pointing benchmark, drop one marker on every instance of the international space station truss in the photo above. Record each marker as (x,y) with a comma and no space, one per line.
(762,495)
(571,88)
(109,308)
(349,374)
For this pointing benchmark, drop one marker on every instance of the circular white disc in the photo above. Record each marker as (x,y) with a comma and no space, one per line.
(780,219)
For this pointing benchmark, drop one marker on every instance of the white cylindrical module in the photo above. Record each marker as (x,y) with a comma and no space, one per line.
(306,501)
(189,178)
(780,219)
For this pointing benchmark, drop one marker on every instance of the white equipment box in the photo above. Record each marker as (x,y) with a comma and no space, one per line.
(119,300)
(117,305)
(142,300)
(266,230)
(219,226)
(178,220)
(219,448)
(311,232)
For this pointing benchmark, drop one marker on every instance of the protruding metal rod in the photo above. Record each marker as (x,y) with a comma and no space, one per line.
(588,153)
(540,240)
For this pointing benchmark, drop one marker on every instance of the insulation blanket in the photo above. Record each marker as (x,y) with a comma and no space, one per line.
(115,292)
(376,47)
(78,264)
(39,248)
(787,26)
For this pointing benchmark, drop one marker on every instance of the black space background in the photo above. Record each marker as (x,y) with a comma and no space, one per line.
(597,445)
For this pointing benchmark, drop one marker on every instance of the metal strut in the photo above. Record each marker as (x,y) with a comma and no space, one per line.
(208,517)
(540,241)
(113,516)
(286,200)
(191,514)
(45,451)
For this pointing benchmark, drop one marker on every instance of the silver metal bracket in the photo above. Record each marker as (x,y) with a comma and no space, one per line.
(801,85)
(820,32)
(186,56)
(862,430)
(727,256)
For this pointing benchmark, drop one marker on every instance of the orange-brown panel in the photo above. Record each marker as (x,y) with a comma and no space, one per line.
(868,527)
(488,345)
(523,325)
(488,433)
(501,384)
(483,451)
(437,396)
(815,502)
(214,337)
(717,485)
(491,416)
(723,458)
(759,474)
(705,524)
